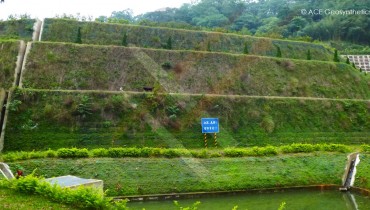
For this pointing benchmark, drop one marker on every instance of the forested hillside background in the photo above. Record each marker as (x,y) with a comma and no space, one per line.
(300,19)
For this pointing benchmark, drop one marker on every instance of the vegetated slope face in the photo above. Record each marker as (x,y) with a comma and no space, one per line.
(82,67)
(8,57)
(17,29)
(135,176)
(54,119)
(61,30)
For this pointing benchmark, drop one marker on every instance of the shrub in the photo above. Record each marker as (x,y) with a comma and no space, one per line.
(169,44)
(202,153)
(309,55)
(101,152)
(51,153)
(167,65)
(365,148)
(245,50)
(234,152)
(124,152)
(72,153)
(265,151)
(88,198)
(297,148)
(278,52)
(334,148)
(268,124)
(150,152)
(124,40)
(79,39)
(336,56)
(171,153)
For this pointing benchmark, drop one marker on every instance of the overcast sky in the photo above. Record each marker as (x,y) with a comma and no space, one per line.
(50,8)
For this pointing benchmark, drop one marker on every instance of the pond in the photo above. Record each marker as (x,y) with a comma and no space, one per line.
(297,199)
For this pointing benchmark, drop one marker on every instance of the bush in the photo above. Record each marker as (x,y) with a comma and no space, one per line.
(234,152)
(171,153)
(167,65)
(268,124)
(101,152)
(365,148)
(124,152)
(203,154)
(72,153)
(334,148)
(87,198)
(150,152)
(297,148)
(51,153)
(265,151)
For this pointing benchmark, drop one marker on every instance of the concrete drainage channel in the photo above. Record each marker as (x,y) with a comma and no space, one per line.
(5,95)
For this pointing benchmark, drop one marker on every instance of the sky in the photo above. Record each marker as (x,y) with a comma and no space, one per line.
(50,8)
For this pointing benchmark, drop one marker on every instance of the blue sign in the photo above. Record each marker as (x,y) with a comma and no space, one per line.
(210,125)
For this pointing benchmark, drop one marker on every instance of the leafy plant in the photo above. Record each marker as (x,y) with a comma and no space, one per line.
(309,55)
(336,56)
(209,46)
(84,107)
(245,50)
(268,124)
(78,38)
(14,105)
(169,44)
(278,52)
(167,65)
(193,207)
(124,40)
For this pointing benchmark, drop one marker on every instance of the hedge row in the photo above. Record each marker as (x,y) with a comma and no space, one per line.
(174,153)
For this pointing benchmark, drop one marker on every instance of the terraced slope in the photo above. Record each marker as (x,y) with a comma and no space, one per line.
(17,29)
(60,30)
(8,57)
(41,119)
(92,95)
(61,66)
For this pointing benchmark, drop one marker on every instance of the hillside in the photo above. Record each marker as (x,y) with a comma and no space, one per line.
(61,30)
(8,57)
(60,66)
(17,29)
(117,90)
(84,95)
(42,119)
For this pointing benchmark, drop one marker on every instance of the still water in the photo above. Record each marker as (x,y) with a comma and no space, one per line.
(297,200)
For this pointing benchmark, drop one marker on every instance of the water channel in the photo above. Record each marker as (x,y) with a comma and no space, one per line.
(297,200)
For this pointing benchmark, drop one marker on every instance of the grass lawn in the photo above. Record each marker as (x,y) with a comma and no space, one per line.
(133,176)
(10,199)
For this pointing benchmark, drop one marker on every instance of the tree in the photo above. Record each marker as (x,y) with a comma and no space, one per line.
(169,43)
(102,19)
(209,46)
(123,15)
(278,52)
(245,51)
(353,65)
(309,55)
(79,39)
(347,61)
(336,57)
(124,40)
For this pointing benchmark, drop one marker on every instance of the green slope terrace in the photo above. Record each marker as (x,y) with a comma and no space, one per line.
(85,85)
